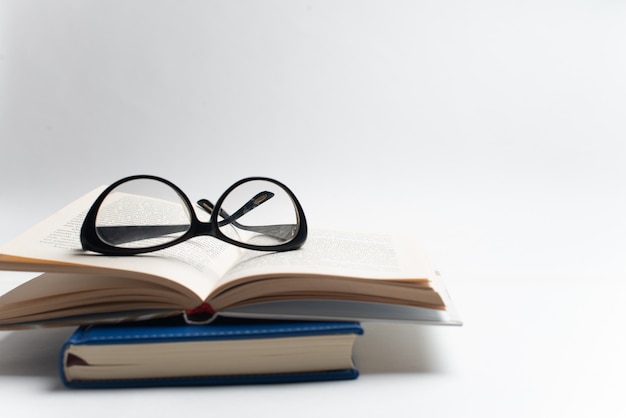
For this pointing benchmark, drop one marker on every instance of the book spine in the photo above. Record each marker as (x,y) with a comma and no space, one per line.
(203,314)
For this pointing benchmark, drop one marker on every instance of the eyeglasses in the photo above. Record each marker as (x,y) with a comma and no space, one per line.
(140,214)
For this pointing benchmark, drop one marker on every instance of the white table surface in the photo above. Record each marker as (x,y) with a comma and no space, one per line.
(493,133)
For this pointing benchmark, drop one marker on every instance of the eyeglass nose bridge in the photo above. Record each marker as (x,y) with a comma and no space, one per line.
(199,228)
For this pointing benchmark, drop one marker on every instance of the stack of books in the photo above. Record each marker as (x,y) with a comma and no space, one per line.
(205,312)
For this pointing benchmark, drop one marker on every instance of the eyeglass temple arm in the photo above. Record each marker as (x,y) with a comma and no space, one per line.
(120,234)
(257,200)
(279,231)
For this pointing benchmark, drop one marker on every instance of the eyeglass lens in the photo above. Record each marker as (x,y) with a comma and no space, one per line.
(142,213)
(258,212)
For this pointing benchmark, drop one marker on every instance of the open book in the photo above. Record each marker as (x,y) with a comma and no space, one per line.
(334,276)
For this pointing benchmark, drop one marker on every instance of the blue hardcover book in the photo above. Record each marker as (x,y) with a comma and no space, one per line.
(169,352)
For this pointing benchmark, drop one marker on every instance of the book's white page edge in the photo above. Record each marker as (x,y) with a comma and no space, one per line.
(334,310)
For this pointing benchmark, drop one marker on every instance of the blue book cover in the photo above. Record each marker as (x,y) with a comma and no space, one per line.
(169,352)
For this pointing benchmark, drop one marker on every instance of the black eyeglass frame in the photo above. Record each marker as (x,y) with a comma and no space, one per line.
(91,241)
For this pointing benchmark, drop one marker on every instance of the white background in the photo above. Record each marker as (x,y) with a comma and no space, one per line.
(493,132)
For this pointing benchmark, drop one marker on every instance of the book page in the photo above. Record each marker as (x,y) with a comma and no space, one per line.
(54,245)
(54,296)
(340,253)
